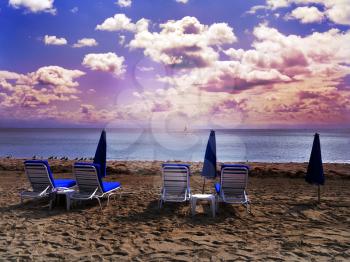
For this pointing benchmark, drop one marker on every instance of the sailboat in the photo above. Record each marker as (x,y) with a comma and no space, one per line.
(186,130)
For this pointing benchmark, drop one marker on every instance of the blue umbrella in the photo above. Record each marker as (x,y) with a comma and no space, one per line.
(209,165)
(101,153)
(314,174)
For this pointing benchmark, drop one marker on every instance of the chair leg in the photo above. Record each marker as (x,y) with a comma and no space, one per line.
(67,202)
(249,210)
(108,199)
(216,205)
(115,198)
(50,204)
(213,208)
(193,206)
(99,202)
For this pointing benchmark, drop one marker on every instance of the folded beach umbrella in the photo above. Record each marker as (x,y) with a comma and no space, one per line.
(209,165)
(314,174)
(101,153)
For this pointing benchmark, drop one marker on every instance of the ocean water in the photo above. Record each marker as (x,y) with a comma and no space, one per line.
(139,144)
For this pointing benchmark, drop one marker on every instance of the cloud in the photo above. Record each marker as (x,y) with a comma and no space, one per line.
(120,22)
(74,10)
(86,108)
(161,106)
(182,1)
(46,85)
(275,4)
(121,40)
(56,76)
(145,68)
(34,6)
(53,40)
(279,77)
(124,3)
(85,42)
(337,11)
(255,8)
(185,42)
(107,62)
(274,58)
(9,75)
(306,15)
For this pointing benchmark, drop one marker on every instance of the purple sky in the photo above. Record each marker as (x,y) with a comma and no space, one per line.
(177,63)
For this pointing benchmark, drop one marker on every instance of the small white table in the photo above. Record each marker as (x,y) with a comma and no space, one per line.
(207,197)
(67,192)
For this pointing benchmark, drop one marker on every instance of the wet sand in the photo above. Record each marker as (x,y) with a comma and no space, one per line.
(285,224)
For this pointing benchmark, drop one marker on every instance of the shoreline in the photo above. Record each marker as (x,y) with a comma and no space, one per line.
(289,170)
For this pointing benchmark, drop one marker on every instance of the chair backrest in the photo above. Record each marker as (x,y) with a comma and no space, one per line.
(39,174)
(234,179)
(87,177)
(176,179)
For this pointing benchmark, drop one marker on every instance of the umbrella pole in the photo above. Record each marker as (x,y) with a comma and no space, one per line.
(319,195)
(203,185)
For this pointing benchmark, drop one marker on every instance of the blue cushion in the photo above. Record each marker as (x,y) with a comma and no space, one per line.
(64,182)
(217,187)
(108,186)
(234,165)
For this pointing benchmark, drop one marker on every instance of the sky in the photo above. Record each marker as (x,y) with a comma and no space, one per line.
(175,63)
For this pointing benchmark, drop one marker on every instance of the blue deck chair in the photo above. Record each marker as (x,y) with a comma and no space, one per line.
(233,185)
(41,179)
(176,183)
(90,184)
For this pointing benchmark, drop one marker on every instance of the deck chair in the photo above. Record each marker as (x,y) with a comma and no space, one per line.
(90,184)
(233,185)
(41,179)
(176,183)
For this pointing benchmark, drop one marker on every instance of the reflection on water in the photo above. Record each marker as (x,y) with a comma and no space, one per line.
(139,144)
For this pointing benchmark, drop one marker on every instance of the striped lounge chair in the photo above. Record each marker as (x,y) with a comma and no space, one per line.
(233,185)
(90,184)
(42,182)
(176,183)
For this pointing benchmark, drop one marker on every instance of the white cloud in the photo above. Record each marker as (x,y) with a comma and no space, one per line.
(275,4)
(9,75)
(182,1)
(274,58)
(107,62)
(85,42)
(54,40)
(56,76)
(255,8)
(46,85)
(185,42)
(120,22)
(124,3)
(337,11)
(34,6)
(281,77)
(306,15)
(121,40)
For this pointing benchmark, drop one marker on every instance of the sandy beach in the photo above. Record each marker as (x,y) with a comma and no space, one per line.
(285,223)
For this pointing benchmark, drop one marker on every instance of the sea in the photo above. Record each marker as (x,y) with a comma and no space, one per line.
(232,145)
